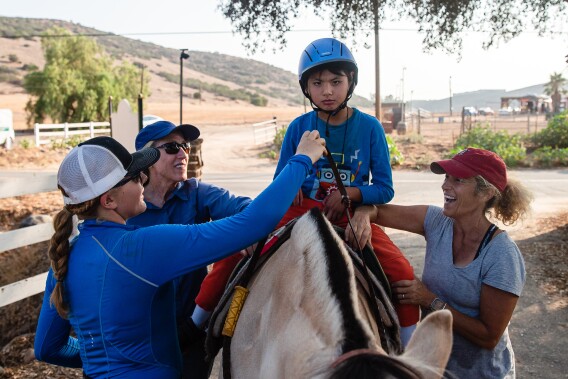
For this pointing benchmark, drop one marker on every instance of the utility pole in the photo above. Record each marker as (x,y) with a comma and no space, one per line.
(403,106)
(142,79)
(378,110)
(411,114)
(183,55)
(450,95)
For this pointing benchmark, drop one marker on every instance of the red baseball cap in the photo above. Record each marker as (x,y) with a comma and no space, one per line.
(471,162)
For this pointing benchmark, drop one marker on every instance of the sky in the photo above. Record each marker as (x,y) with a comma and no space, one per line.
(405,70)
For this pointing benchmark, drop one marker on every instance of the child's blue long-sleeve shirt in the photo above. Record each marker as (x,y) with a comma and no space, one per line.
(360,150)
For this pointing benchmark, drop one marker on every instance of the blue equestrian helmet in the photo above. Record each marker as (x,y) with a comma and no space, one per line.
(325,51)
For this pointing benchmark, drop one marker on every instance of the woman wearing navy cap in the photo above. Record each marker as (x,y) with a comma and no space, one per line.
(113,284)
(471,267)
(172,197)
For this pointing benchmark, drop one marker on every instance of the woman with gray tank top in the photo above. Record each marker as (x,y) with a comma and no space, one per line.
(472,268)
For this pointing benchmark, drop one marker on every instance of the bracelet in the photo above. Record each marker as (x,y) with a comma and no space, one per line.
(437,305)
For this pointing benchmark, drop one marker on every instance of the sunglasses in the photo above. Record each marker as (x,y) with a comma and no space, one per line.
(173,147)
(138,178)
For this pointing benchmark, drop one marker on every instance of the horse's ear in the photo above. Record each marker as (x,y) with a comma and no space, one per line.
(431,344)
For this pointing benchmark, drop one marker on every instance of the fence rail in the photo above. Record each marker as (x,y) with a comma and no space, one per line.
(265,131)
(64,131)
(10,187)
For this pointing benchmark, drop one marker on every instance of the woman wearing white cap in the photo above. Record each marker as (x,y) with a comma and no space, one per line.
(472,268)
(112,284)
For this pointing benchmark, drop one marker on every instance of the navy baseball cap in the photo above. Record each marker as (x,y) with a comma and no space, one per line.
(160,129)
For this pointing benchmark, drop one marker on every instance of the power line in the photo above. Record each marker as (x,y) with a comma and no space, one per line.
(202,32)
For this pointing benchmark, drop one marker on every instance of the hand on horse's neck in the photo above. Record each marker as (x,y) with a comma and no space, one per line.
(467,237)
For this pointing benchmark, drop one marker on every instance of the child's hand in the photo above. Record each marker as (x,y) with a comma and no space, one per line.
(299,198)
(333,207)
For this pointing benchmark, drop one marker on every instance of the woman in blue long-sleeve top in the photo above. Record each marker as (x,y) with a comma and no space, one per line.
(113,285)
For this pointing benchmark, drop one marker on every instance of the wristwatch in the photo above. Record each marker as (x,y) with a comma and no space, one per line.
(437,305)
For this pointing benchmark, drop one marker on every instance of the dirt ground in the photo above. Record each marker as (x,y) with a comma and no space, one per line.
(538,328)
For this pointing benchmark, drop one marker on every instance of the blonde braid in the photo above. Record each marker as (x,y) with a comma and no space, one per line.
(59,248)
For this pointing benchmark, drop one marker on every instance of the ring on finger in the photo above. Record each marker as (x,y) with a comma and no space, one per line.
(403,296)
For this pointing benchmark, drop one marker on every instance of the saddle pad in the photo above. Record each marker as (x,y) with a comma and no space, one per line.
(214,340)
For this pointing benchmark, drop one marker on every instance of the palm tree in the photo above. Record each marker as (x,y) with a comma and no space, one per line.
(555,88)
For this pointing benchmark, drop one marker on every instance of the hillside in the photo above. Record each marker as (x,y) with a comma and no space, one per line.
(222,76)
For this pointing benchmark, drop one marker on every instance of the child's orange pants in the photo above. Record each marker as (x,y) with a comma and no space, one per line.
(394,264)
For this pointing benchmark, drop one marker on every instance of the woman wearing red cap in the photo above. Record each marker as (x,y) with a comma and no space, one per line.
(471,267)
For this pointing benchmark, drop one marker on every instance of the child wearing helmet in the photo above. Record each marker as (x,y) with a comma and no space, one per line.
(328,75)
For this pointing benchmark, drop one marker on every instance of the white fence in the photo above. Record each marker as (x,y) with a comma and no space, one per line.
(14,239)
(264,132)
(64,131)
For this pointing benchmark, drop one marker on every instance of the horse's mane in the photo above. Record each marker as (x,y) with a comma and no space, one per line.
(339,273)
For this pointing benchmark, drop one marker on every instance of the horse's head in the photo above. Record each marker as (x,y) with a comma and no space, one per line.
(425,357)
(303,313)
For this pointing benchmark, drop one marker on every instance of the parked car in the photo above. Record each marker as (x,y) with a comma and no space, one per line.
(469,111)
(7,134)
(507,111)
(486,111)
(150,119)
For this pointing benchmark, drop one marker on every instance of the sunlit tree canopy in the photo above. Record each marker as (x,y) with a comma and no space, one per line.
(77,80)
(441,22)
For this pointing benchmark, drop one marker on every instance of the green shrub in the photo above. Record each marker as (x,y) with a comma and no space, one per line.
(508,147)
(555,134)
(25,143)
(66,143)
(8,74)
(279,138)
(30,67)
(218,89)
(197,95)
(13,58)
(258,100)
(396,156)
(548,157)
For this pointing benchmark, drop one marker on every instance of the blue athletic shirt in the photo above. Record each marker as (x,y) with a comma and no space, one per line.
(120,291)
(192,202)
(358,147)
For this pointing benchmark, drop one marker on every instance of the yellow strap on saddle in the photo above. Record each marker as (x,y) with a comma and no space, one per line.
(235,308)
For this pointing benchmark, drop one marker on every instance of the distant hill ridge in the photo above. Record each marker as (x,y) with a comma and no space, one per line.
(252,75)
(480,98)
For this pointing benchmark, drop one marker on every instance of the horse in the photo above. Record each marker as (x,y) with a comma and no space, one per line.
(306,317)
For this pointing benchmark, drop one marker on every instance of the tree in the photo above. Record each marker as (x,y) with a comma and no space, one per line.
(555,88)
(443,22)
(77,79)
